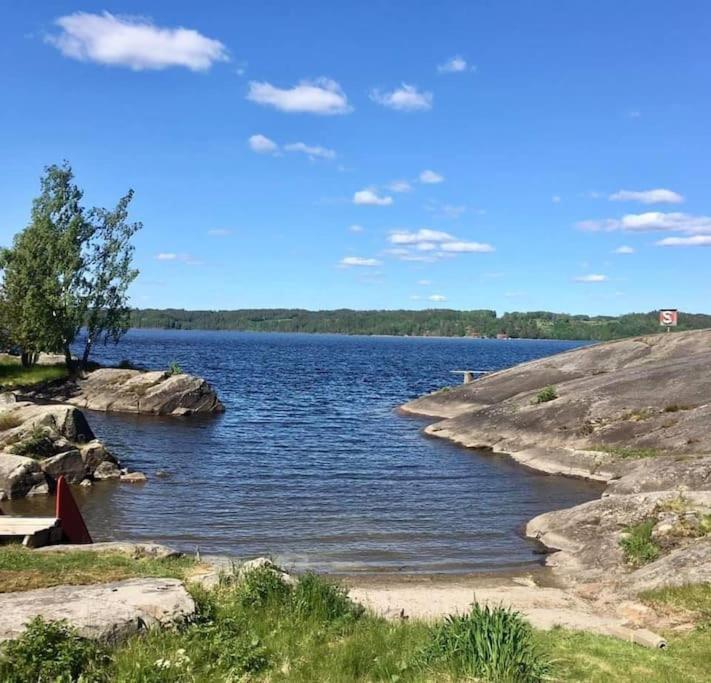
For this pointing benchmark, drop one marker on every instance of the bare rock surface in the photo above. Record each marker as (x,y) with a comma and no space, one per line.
(38,443)
(651,392)
(107,612)
(136,550)
(136,391)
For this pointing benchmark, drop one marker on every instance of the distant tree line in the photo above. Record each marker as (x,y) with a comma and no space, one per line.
(69,269)
(433,322)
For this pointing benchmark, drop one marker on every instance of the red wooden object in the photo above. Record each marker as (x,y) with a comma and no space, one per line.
(70,519)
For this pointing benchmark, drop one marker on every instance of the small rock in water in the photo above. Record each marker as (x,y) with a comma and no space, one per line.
(86,482)
(162,474)
(134,478)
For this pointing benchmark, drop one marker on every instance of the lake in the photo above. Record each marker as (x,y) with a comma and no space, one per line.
(312,464)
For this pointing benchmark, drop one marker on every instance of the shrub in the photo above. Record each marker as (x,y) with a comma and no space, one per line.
(37,445)
(126,364)
(49,651)
(545,395)
(637,544)
(317,598)
(174,369)
(262,586)
(494,644)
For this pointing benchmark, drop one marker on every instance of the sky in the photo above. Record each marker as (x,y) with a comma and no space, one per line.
(510,155)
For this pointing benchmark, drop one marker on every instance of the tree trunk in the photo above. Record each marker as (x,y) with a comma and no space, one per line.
(27,359)
(87,353)
(68,356)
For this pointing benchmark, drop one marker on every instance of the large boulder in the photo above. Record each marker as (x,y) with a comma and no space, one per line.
(108,612)
(68,464)
(20,476)
(134,391)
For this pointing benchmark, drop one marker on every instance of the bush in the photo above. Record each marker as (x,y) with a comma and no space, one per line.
(49,651)
(317,598)
(174,369)
(126,364)
(494,644)
(637,544)
(262,586)
(545,395)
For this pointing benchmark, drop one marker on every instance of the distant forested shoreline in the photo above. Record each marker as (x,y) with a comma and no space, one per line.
(426,323)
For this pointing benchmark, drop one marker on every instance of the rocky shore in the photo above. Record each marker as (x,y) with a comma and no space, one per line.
(634,414)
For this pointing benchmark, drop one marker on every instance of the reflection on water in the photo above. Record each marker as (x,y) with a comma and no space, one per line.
(311,463)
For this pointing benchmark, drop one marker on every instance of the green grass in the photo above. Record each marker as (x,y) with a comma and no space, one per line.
(22,569)
(545,395)
(13,375)
(262,630)
(628,451)
(637,544)
(693,601)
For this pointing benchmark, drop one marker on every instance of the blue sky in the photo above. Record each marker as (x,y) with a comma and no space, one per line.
(490,154)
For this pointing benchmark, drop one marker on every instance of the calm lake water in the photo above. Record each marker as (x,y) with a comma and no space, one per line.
(312,464)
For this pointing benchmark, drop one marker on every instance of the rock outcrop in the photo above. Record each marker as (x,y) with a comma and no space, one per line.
(135,391)
(108,612)
(38,443)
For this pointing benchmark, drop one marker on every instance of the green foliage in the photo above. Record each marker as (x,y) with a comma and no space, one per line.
(694,599)
(317,598)
(68,268)
(49,651)
(13,375)
(637,544)
(37,445)
(174,369)
(546,394)
(494,644)
(433,322)
(262,586)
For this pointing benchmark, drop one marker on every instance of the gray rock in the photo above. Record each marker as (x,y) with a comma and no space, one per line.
(20,476)
(135,391)
(108,612)
(94,454)
(134,478)
(135,550)
(681,472)
(107,470)
(69,464)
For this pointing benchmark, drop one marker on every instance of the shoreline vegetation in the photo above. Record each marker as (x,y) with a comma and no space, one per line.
(424,323)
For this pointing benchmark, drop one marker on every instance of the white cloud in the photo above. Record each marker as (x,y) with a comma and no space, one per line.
(166,256)
(452,66)
(694,241)
(422,235)
(356,228)
(314,151)
(594,277)
(430,177)
(624,249)
(658,196)
(322,96)
(182,258)
(134,42)
(405,98)
(399,186)
(555,199)
(651,221)
(424,283)
(370,197)
(262,144)
(467,247)
(219,232)
(437,298)
(349,261)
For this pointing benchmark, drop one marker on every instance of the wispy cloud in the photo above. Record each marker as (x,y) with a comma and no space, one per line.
(454,65)
(467,247)
(624,249)
(219,232)
(369,197)
(405,98)
(359,262)
(134,42)
(431,245)
(399,186)
(437,298)
(694,241)
(170,256)
(592,278)
(649,222)
(355,228)
(322,96)
(422,235)
(424,283)
(429,177)
(556,199)
(262,145)
(313,151)
(658,196)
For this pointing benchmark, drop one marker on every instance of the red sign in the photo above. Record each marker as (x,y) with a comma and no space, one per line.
(668,317)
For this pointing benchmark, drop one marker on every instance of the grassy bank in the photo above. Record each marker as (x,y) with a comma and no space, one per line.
(261,629)
(13,375)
